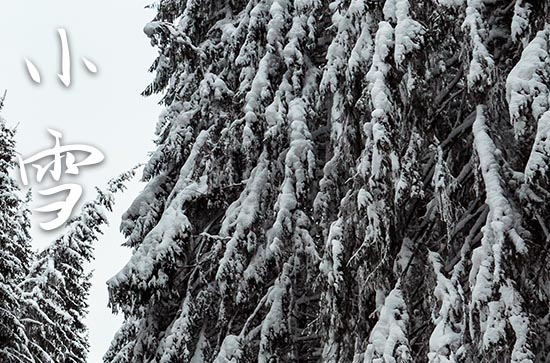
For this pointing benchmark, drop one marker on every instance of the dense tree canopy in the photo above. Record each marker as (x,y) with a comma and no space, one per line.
(354,181)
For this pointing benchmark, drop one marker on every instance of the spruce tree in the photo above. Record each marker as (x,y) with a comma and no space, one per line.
(15,252)
(354,181)
(55,290)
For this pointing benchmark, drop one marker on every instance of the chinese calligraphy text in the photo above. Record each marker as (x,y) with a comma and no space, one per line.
(65,75)
(52,161)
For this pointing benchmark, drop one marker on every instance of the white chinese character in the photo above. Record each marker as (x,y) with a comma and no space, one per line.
(65,75)
(59,152)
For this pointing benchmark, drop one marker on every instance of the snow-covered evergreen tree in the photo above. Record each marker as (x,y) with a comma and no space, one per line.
(345,181)
(15,253)
(55,290)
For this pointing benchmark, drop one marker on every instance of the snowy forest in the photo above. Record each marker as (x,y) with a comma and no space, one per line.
(336,182)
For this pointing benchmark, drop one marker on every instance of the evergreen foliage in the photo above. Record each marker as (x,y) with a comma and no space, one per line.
(353,181)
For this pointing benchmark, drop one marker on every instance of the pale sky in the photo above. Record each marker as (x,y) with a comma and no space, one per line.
(104,110)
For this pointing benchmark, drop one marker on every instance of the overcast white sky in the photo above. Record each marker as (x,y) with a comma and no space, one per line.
(104,110)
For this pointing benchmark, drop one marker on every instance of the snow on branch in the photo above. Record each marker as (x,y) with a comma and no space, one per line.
(299,163)
(539,160)
(333,262)
(339,53)
(496,304)
(238,223)
(230,350)
(380,96)
(527,84)
(520,20)
(502,221)
(389,340)
(274,326)
(383,163)
(408,32)
(528,97)
(446,340)
(482,63)
(164,241)
(260,88)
